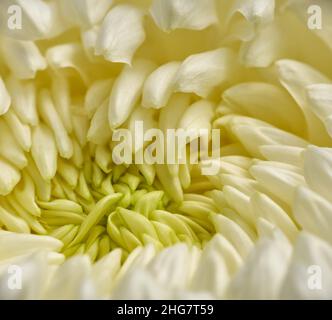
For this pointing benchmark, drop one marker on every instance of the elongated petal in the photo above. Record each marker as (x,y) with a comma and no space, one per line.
(191,14)
(23,94)
(44,151)
(202,72)
(121,33)
(317,170)
(20,130)
(159,86)
(23,58)
(313,213)
(52,119)
(295,77)
(126,91)
(9,147)
(13,244)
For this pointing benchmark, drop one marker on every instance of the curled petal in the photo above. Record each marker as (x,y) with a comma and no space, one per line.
(121,33)
(202,72)
(127,90)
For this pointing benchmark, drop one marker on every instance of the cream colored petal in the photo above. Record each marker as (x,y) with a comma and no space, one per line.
(266,102)
(20,130)
(320,99)
(121,33)
(313,213)
(23,94)
(13,244)
(50,116)
(261,277)
(9,177)
(44,151)
(197,116)
(35,270)
(99,130)
(126,91)
(159,86)
(253,137)
(171,114)
(61,95)
(5,99)
(279,182)
(96,94)
(309,272)
(23,58)
(201,73)
(104,272)
(211,274)
(9,147)
(72,280)
(318,170)
(69,56)
(233,233)
(286,154)
(265,207)
(295,77)
(190,14)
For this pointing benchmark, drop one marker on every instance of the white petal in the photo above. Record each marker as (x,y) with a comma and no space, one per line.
(262,275)
(318,170)
(279,182)
(9,147)
(44,151)
(309,273)
(320,98)
(99,130)
(265,207)
(72,280)
(234,233)
(23,58)
(295,77)
(252,137)
(5,99)
(17,244)
(121,33)
(172,113)
(313,213)
(212,274)
(34,271)
(159,86)
(127,90)
(21,131)
(266,102)
(201,73)
(71,56)
(23,94)
(96,94)
(189,14)
(52,119)
(9,177)
(61,97)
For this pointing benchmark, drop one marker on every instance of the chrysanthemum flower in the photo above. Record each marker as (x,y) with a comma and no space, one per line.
(74,224)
